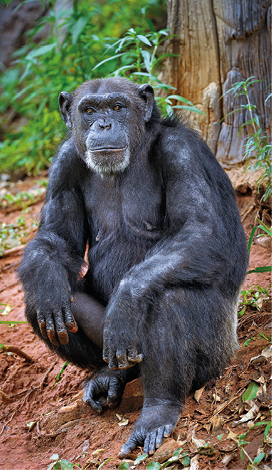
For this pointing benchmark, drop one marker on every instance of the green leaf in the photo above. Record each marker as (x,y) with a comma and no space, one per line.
(10,322)
(8,2)
(251,239)
(251,391)
(105,461)
(66,465)
(153,466)
(144,39)
(248,341)
(147,56)
(107,60)
(40,51)
(180,98)
(54,457)
(140,459)
(220,437)
(261,269)
(266,431)
(259,458)
(123,466)
(185,461)
(189,108)
(265,228)
(78,27)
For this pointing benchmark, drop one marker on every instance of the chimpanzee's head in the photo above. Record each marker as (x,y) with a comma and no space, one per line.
(107,118)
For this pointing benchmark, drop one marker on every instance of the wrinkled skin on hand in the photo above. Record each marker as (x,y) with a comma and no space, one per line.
(120,336)
(104,388)
(54,314)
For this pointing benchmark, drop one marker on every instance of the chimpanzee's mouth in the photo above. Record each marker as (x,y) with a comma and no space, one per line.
(109,149)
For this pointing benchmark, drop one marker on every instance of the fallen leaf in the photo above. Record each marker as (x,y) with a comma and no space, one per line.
(31,425)
(194,463)
(197,442)
(264,356)
(97,453)
(122,420)
(216,397)
(226,459)
(216,423)
(251,414)
(198,394)
(231,435)
(8,309)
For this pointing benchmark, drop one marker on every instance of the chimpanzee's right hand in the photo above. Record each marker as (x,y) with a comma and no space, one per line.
(54,311)
(104,387)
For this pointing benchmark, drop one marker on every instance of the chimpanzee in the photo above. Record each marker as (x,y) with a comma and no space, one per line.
(166,255)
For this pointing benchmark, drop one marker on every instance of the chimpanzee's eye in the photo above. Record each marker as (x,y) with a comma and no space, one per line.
(117,107)
(90,110)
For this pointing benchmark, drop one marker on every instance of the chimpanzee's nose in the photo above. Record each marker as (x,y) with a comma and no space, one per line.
(104,126)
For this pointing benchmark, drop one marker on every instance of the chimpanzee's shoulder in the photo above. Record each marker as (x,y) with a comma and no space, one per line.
(67,168)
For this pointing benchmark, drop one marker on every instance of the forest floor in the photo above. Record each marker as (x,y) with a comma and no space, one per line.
(42,415)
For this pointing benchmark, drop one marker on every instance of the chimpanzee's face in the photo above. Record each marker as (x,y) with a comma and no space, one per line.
(107,118)
(102,126)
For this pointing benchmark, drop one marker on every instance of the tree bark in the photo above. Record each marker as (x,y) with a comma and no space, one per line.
(218,43)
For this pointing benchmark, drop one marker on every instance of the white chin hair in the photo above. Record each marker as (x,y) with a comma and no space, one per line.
(109,168)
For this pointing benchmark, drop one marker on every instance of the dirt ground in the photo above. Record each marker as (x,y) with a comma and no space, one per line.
(41,416)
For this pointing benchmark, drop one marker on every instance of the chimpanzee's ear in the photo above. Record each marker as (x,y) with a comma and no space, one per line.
(147,93)
(65,101)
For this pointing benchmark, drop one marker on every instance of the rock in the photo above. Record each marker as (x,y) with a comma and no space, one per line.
(77,410)
(165,451)
(133,397)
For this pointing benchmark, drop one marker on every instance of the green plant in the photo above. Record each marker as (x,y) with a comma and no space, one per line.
(241,442)
(59,464)
(257,147)
(268,231)
(178,456)
(11,235)
(61,372)
(252,297)
(69,56)
(60,62)
(139,59)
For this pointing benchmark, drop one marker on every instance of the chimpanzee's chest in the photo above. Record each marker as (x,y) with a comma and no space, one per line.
(126,219)
(130,208)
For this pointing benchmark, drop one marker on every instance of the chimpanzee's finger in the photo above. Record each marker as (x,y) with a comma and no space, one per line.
(114,392)
(111,359)
(42,323)
(123,362)
(160,434)
(91,390)
(167,430)
(60,328)
(131,443)
(133,356)
(50,329)
(69,318)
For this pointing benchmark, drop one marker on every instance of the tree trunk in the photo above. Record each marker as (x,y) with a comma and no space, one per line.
(218,43)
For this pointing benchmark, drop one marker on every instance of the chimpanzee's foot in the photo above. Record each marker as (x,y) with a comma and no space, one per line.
(156,421)
(105,387)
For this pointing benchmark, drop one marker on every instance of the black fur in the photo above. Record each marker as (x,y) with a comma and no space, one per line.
(167,253)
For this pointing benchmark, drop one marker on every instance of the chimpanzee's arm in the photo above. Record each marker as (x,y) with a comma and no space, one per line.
(202,245)
(52,261)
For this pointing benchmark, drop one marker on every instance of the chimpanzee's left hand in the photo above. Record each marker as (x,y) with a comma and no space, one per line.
(120,335)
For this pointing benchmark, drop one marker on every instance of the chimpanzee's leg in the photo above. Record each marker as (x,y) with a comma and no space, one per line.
(85,350)
(105,386)
(183,326)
